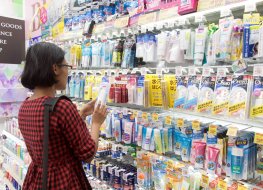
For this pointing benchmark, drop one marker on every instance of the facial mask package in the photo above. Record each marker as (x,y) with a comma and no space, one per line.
(206,94)
(193,90)
(182,92)
(200,43)
(257,98)
(221,97)
(152,5)
(239,96)
(186,7)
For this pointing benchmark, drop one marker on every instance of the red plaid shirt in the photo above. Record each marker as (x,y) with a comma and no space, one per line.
(70,143)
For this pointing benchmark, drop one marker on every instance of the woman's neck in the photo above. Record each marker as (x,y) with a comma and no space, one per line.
(40,92)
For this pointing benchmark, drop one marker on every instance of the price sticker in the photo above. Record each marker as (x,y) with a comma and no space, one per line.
(168,120)
(222,185)
(212,130)
(178,71)
(258,139)
(155,117)
(196,125)
(221,72)
(258,70)
(199,18)
(145,116)
(250,7)
(191,71)
(143,71)
(206,71)
(108,72)
(125,111)
(121,22)
(159,71)
(135,113)
(242,187)
(159,26)
(225,12)
(182,22)
(170,24)
(180,122)
(143,29)
(232,131)
(204,181)
(147,18)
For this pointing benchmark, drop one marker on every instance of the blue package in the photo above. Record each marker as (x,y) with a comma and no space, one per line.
(72,85)
(129,5)
(75,23)
(186,149)
(68,23)
(193,89)
(98,14)
(109,10)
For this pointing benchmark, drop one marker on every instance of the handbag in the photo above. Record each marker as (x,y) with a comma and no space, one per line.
(49,106)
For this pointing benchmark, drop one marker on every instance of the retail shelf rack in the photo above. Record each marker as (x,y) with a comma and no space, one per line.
(13,174)
(14,156)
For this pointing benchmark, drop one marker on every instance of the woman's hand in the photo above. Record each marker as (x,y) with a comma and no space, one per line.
(99,115)
(87,109)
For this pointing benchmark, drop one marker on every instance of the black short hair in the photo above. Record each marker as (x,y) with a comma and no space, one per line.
(38,70)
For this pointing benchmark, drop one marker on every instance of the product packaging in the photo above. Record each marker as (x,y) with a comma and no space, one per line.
(181,92)
(200,45)
(257,98)
(186,7)
(193,90)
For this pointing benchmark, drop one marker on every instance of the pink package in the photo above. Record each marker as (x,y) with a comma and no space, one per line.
(152,5)
(165,4)
(141,6)
(187,6)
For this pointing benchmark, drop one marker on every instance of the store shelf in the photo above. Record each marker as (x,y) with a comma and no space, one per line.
(13,174)
(14,156)
(14,138)
(9,184)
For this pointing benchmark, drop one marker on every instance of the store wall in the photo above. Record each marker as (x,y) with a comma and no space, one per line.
(8,72)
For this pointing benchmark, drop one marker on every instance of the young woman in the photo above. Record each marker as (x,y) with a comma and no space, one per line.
(70,142)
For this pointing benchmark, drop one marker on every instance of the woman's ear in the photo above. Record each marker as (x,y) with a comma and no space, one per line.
(55,69)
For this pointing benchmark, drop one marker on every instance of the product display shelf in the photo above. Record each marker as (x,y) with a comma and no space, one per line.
(13,174)
(14,138)
(17,159)
(211,15)
(9,184)
(239,123)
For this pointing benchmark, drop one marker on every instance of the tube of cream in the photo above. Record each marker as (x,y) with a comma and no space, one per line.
(186,149)
(212,159)
(199,154)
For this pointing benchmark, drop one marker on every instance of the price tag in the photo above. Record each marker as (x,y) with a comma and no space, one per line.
(212,130)
(170,24)
(206,71)
(222,185)
(180,122)
(143,71)
(258,139)
(145,116)
(155,117)
(204,181)
(178,71)
(168,13)
(221,72)
(159,71)
(199,18)
(258,70)
(147,18)
(125,111)
(196,125)
(135,113)
(108,72)
(121,22)
(241,187)
(232,131)
(168,120)
(182,22)
(143,29)
(191,71)
(225,12)
(250,7)
(159,26)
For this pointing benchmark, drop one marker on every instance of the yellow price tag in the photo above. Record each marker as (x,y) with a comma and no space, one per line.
(180,122)
(212,130)
(241,187)
(135,113)
(232,131)
(222,185)
(196,125)
(205,181)
(155,116)
(168,120)
(145,116)
(258,139)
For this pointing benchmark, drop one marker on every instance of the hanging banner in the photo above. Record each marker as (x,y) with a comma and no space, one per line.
(12,40)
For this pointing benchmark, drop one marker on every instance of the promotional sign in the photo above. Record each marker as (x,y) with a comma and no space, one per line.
(12,40)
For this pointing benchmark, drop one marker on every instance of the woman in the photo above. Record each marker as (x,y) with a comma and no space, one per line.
(70,142)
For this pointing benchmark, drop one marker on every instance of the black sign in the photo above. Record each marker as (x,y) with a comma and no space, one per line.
(12,40)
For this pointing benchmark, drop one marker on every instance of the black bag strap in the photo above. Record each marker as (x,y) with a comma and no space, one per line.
(49,106)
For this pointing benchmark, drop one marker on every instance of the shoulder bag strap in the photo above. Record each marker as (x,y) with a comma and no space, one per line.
(49,106)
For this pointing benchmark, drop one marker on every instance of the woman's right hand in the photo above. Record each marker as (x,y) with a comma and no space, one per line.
(99,115)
